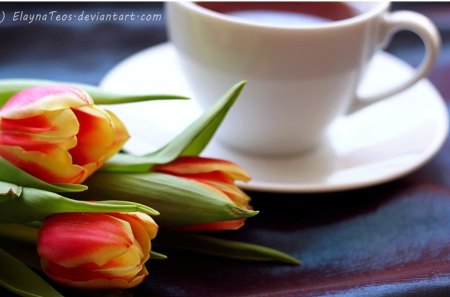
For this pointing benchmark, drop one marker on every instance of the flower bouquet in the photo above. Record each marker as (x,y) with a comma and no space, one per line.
(76,211)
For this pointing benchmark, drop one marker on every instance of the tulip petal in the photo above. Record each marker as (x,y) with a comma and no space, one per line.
(233,192)
(221,183)
(99,283)
(146,221)
(144,229)
(215,226)
(120,133)
(126,266)
(216,176)
(110,238)
(56,167)
(195,165)
(45,132)
(37,100)
(96,135)
(101,136)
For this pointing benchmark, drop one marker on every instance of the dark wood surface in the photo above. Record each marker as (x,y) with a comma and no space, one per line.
(388,240)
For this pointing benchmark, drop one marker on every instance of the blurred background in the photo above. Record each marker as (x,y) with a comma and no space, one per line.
(85,51)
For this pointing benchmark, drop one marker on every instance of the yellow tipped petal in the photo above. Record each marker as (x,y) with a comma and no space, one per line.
(196,165)
(140,233)
(110,238)
(120,135)
(54,167)
(38,100)
(95,137)
(41,133)
(233,192)
(102,283)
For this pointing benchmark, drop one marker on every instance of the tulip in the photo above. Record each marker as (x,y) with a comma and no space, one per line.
(57,134)
(218,176)
(96,250)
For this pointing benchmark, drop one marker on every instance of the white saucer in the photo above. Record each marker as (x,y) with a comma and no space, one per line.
(378,144)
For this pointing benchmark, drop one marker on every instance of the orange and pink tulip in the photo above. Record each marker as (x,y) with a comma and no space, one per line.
(96,250)
(57,134)
(216,175)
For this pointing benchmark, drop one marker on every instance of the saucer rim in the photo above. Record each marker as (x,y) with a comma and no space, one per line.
(289,188)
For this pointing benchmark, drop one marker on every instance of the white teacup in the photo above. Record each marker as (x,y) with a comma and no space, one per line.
(301,76)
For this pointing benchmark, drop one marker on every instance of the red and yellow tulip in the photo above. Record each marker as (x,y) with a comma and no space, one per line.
(96,250)
(216,175)
(57,134)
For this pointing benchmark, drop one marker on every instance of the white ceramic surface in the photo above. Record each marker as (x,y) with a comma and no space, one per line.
(300,78)
(378,144)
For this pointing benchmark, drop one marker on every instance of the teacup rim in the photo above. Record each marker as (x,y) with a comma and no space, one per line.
(379,7)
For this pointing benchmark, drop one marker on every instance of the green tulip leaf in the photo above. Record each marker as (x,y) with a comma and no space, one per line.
(18,278)
(157,256)
(34,204)
(9,87)
(222,248)
(191,141)
(12,174)
(180,201)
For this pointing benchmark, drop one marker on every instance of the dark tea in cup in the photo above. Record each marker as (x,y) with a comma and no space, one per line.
(284,13)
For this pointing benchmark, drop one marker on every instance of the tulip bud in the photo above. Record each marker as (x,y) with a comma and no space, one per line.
(57,134)
(96,250)
(215,175)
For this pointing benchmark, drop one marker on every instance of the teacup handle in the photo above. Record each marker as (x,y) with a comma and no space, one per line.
(425,29)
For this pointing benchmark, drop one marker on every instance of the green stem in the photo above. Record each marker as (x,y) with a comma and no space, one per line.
(19,232)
